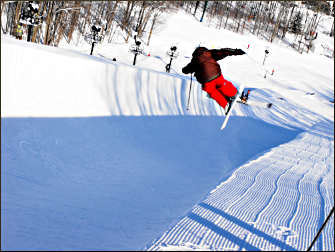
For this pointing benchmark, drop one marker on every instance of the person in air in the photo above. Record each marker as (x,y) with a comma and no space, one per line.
(208,74)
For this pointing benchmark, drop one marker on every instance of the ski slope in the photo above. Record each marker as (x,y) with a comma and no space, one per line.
(103,155)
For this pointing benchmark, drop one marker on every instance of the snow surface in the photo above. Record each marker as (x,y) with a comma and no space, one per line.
(103,155)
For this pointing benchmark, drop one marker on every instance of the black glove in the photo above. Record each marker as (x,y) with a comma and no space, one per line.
(239,52)
(183,70)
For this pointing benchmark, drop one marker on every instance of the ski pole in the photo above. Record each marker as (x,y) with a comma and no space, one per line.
(189,95)
(323,225)
(252,59)
(258,65)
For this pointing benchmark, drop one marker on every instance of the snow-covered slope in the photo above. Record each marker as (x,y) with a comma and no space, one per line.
(102,155)
(275,202)
(75,84)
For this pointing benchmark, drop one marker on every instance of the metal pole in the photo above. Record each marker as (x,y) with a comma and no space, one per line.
(92,48)
(168,66)
(30,29)
(189,95)
(134,62)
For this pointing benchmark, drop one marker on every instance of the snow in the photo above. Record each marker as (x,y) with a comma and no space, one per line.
(103,155)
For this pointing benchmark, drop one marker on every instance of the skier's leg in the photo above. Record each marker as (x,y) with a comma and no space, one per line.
(215,94)
(226,87)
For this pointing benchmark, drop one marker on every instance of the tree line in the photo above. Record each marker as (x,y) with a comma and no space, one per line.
(267,19)
(60,19)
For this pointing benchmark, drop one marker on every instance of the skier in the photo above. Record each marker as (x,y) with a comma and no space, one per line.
(244,97)
(208,73)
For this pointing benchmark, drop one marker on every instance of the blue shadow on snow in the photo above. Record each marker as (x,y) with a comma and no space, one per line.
(231,237)
(115,183)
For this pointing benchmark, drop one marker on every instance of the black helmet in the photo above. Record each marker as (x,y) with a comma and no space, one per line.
(199,50)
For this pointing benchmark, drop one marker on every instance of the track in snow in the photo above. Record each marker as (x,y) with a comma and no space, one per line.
(276,202)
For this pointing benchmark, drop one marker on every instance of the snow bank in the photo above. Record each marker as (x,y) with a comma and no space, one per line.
(78,176)
(65,83)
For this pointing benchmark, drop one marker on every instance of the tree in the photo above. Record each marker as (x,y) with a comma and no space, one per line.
(331,33)
(110,16)
(203,13)
(258,11)
(74,20)
(157,8)
(286,28)
(275,29)
(37,28)
(228,13)
(48,22)
(196,7)
(141,20)
(296,24)
(18,12)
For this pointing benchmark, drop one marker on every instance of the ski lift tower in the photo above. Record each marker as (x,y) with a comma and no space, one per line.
(173,55)
(94,37)
(30,17)
(136,48)
(266,54)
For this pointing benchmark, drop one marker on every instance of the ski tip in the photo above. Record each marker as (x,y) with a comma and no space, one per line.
(224,125)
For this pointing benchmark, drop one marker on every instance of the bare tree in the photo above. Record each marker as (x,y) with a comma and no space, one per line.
(292,5)
(50,13)
(196,7)
(278,20)
(157,9)
(110,16)
(258,11)
(228,12)
(140,20)
(73,20)
(11,13)
(18,12)
(38,27)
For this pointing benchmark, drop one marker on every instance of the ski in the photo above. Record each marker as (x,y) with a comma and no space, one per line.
(245,103)
(240,89)
(257,104)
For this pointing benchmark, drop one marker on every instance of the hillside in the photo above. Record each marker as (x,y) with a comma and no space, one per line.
(103,155)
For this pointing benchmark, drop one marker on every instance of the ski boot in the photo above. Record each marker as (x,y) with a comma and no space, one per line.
(230,102)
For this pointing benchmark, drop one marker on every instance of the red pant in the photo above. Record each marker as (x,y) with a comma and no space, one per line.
(219,88)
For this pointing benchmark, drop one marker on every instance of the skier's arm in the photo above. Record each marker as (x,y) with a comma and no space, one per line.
(219,54)
(189,68)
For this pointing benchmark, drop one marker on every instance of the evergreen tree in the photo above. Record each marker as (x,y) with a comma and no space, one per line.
(296,25)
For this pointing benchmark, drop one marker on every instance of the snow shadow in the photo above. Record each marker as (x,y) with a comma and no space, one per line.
(115,183)
(241,242)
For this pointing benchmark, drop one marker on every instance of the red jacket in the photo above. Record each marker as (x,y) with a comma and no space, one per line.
(204,63)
